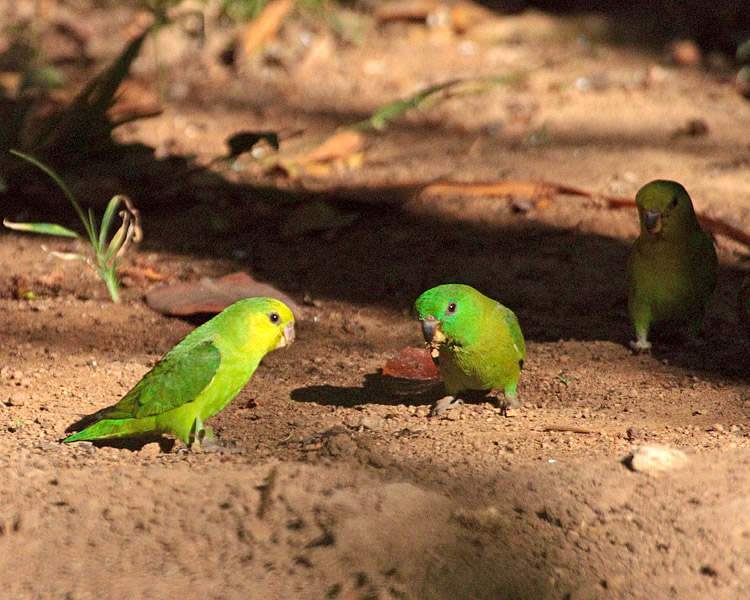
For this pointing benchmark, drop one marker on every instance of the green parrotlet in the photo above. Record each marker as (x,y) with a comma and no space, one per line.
(672,270)
(199,376)
(477,343)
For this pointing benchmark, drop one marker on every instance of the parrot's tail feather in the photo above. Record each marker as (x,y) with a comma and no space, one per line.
(114,428)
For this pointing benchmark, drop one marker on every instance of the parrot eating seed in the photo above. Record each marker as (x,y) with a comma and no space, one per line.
(476,342)
(672,270)
(199,376)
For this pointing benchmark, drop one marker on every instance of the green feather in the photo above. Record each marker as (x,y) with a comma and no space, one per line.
(672,270)
(199,376)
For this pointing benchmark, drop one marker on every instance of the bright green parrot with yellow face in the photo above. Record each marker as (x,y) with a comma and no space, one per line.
(672,270)
(477,343)
(199,376)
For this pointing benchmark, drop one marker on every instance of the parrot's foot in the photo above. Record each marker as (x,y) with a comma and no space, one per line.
(201,435)
(212,445)
(640,345)
(444,404)
(204,441)
(507,402)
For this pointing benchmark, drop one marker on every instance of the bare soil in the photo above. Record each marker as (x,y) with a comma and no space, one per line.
(346,488)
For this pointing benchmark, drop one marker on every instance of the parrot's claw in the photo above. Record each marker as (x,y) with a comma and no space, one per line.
(640,345)
(507,402)
(212,445)
(444,404)
(204,441)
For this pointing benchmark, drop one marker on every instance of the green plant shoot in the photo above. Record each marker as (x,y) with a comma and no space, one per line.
(107,251)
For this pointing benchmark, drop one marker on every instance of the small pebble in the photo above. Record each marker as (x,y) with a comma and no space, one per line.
(655,458)
(686,53)
(635,434)
(16,399)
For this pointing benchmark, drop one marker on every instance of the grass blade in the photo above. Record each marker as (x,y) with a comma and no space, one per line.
(114,244)
(92,229)
(61,184)
(109,214)
(46,228)
(86,116)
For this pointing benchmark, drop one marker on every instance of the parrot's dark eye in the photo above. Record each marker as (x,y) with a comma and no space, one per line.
(452,306)
(274,317)
(673,203)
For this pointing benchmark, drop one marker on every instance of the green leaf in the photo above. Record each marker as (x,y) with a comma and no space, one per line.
(61,184)
(46,228)
(114,244)
(109,214)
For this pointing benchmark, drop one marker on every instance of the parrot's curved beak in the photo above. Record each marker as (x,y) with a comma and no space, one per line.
(431,330)
(652,219)
(287,336)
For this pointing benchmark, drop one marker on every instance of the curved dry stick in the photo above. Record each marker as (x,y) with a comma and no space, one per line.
(543,189)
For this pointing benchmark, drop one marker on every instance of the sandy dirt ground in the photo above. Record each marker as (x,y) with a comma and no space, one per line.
(345,487)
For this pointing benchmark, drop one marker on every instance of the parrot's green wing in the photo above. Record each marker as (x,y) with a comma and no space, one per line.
(515,331)
(178,379)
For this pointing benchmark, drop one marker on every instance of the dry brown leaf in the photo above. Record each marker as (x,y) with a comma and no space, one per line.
(339,145)
(503,187)
(320,170)
(412,363)
(266,25)
(134,100)
(465,15)
(342,149)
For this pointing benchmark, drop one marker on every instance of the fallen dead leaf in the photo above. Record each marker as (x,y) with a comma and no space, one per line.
(266,25)
(465,15)
(342,149)
(412,363)
(339,145)
(533,191)
(134,100)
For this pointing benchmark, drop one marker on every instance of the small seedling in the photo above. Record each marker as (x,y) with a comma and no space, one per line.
(107,251)
(565,381)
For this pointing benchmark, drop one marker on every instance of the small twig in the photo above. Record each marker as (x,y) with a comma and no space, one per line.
(564,428)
